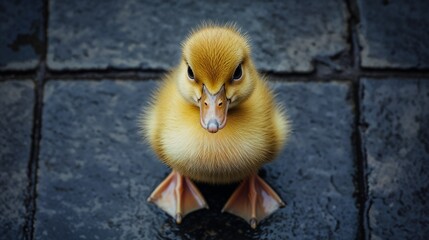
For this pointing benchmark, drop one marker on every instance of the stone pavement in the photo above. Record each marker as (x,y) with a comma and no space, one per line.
(353,76)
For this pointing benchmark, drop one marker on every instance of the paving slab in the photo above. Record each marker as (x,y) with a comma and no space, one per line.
(396,140)
(21,31)
(95,172)
(315,171)
(393,34)
(286,35)
(16,122)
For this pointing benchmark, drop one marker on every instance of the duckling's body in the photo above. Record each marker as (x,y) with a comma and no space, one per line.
(214,120)
(255,131)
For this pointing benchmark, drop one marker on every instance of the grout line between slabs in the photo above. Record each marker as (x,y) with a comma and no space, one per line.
(357,137)
(34,157)
(143,75)
(360,155)
(33,164)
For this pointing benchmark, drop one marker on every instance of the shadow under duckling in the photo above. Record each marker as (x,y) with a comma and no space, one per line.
(214,120)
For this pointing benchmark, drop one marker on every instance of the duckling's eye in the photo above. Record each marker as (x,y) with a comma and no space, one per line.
(190,73)
(238,73)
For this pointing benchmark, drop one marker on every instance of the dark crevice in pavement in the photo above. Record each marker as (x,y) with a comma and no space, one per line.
(34,157)
(93,74)
(17,75)
(360,177)
(142,75)
(362,163)
(33,163)
(361,193)
(353,34)
(400,73)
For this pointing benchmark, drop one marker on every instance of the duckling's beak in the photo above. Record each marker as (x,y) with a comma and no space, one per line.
(213,110)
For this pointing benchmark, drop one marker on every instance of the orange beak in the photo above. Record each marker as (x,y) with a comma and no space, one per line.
(213,110)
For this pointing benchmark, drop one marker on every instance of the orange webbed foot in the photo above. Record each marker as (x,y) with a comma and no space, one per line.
(253,201)
(177,196)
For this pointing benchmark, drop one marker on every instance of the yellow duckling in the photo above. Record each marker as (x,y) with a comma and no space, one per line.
(215,120)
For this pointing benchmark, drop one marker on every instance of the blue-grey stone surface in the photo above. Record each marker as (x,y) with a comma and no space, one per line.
(396,140)
(286,35)
(314,174)
(95,173)
(21,29)
(394,34)
(16,122)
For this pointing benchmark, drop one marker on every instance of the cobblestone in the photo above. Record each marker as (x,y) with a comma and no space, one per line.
(397,150)
(393,34)
(147,35)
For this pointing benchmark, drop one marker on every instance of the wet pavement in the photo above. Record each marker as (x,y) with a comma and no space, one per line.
(74,77)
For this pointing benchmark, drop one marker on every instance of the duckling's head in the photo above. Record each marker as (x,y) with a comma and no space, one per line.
(216,73)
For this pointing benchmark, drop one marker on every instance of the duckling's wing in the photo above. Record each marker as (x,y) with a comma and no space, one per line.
(253,201)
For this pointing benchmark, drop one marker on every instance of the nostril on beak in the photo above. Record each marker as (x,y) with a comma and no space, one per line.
(212,126)
(220,103)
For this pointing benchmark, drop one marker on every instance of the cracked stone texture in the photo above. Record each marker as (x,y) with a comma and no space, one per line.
(16,121)
(21,31)
(95,173)
(286,35)
(396,139)
(394,34)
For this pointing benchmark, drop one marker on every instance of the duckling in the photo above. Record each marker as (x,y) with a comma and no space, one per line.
(215,120)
